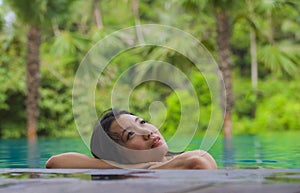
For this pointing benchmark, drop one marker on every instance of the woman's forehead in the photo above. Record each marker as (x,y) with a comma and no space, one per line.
(127,117)
(122,122)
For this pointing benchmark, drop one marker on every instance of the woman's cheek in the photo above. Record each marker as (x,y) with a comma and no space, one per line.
(136,145)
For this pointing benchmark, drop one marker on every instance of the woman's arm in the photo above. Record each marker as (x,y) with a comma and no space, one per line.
(197,159)
(189,160)
(78,160)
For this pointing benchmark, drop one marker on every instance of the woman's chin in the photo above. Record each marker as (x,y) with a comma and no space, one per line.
(163,149)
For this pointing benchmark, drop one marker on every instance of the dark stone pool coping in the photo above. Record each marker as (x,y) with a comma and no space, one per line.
(148,181)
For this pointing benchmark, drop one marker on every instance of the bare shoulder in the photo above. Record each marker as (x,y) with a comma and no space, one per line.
(198,159)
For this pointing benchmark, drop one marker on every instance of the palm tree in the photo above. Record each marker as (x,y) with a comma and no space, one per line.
(224,52)
(279,56)
(285,52)
(250,17)
(36,14)
(222,13)
(135,10)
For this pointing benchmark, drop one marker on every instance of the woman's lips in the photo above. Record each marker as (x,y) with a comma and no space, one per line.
(156,142)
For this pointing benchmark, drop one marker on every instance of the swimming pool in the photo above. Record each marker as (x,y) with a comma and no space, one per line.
(276,150)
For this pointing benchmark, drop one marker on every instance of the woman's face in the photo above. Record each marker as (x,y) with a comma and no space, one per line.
(135,133)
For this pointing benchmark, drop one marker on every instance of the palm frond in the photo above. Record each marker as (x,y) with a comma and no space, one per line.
(279,59)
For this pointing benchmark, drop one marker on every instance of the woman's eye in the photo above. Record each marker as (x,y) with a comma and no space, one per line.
(130,133)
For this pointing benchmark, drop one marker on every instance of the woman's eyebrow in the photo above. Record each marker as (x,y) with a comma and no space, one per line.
(136,119)
(123,132)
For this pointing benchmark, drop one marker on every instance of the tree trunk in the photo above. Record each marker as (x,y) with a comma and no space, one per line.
(223,42)
(135,10)
(97,14)
(32,80)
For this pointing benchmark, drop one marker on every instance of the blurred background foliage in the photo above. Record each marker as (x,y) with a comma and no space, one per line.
(70,31)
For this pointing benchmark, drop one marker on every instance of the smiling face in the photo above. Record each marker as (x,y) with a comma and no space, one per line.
(134,133)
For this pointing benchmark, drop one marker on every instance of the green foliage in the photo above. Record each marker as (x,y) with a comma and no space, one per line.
(201,88)
(2,22)
(39,12)
(245,99)
(180,99)
(69,31)
(278,109)
(12,81)
(13,122)
(279,60)
(56,118)
(278,113)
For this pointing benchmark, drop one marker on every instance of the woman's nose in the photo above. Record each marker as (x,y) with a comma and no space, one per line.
(148,136)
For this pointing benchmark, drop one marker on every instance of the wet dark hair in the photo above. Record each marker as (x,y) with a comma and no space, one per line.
(106,120)
(109,116)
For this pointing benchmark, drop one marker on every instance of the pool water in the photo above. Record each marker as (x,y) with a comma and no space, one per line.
(276,150)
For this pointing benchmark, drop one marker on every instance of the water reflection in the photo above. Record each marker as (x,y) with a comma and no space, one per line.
(228,153)
(32,153)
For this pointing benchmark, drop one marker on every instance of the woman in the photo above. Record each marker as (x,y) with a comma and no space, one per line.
(124,140)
